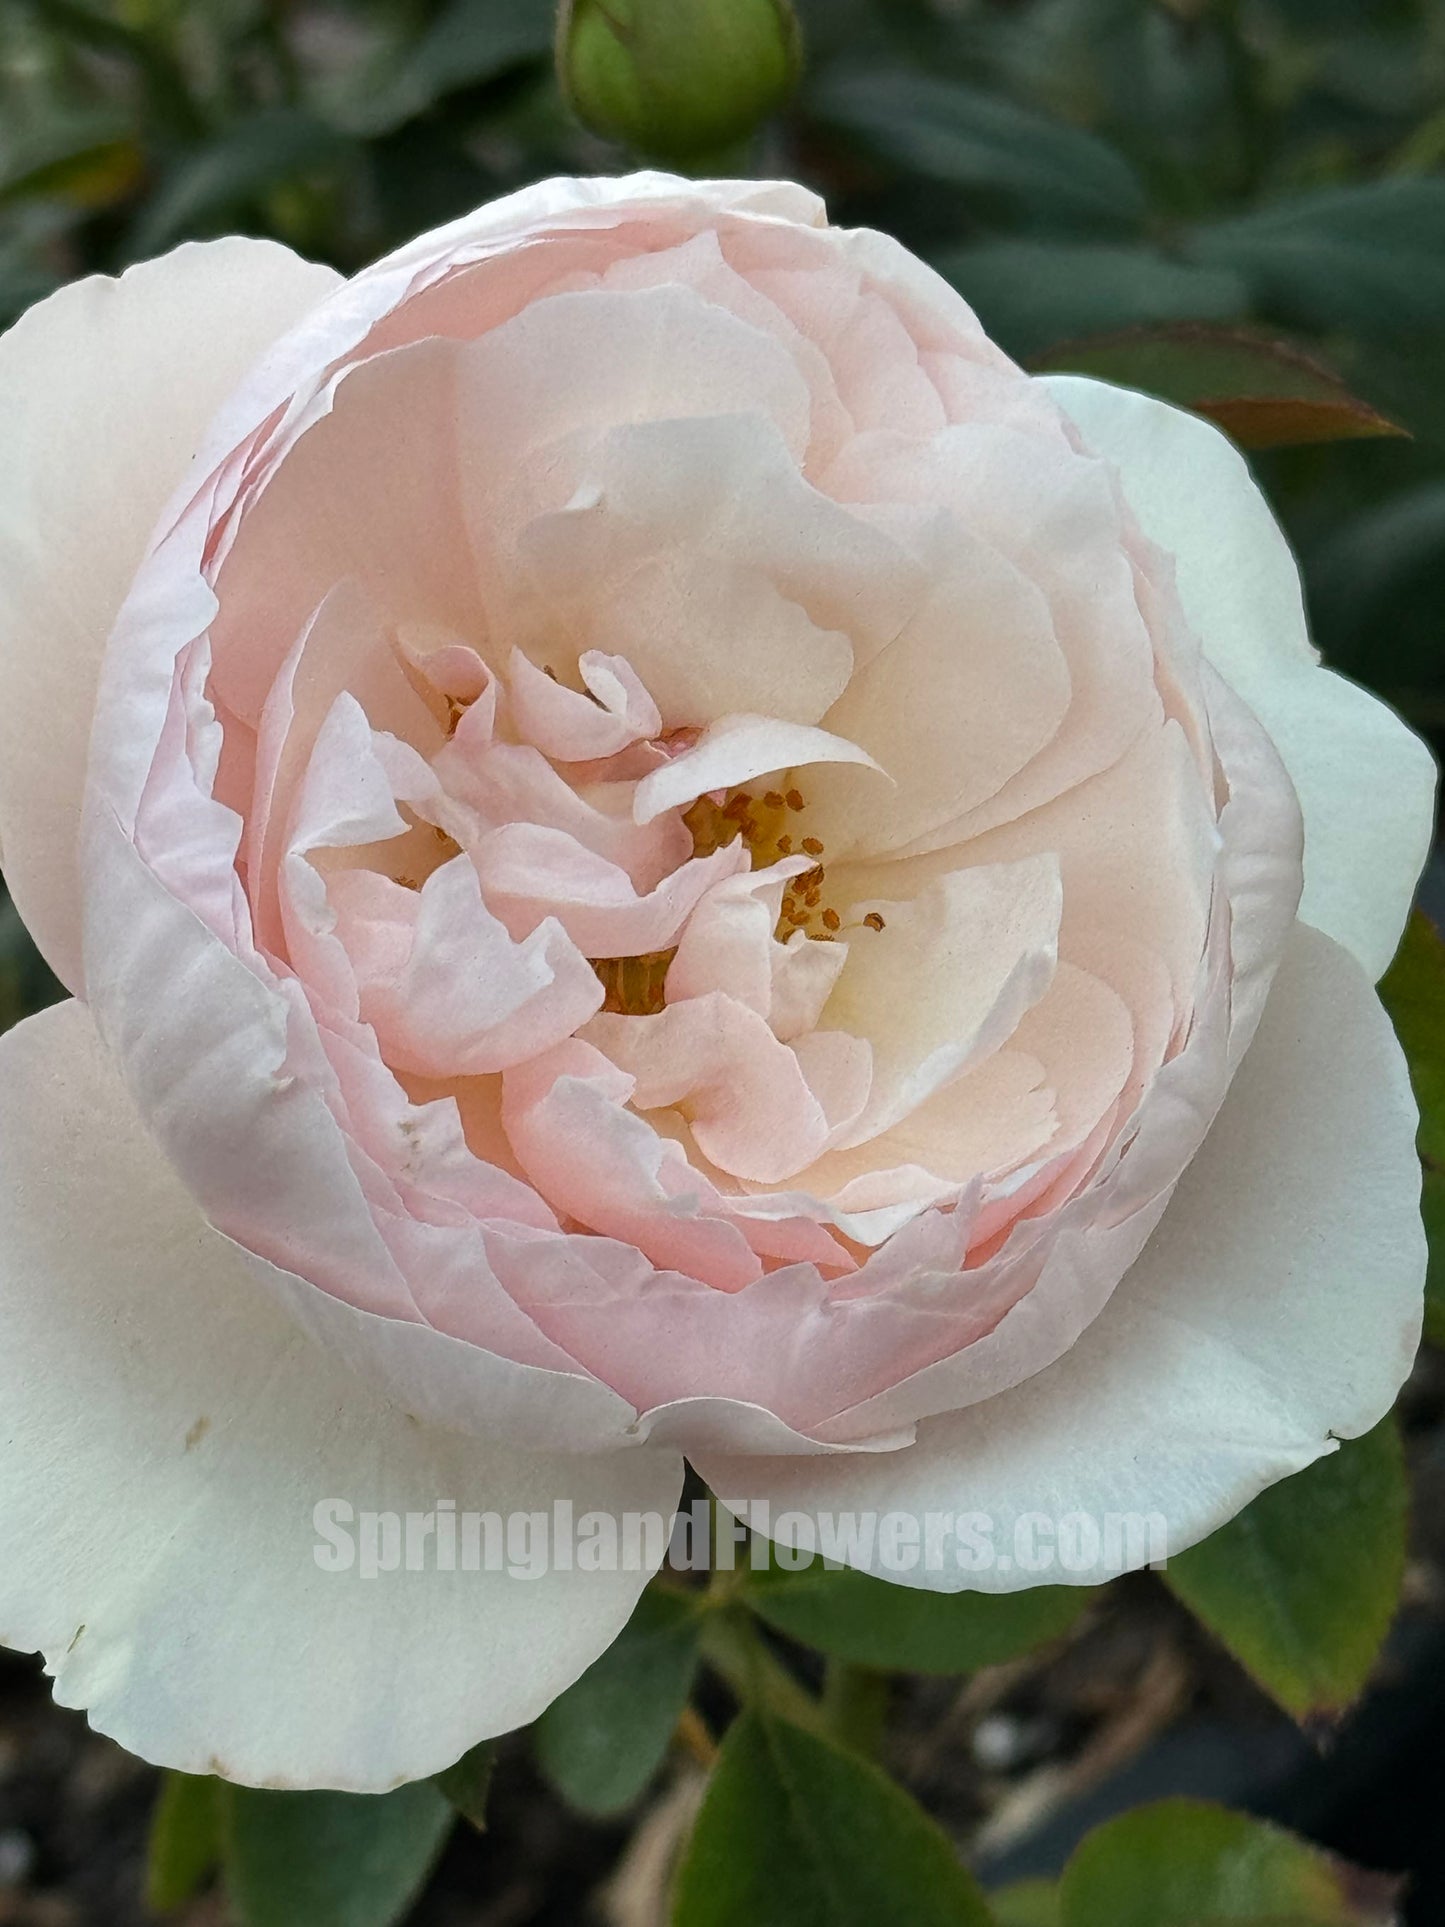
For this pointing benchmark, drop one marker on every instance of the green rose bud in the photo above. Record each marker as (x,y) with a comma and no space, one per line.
(676,78)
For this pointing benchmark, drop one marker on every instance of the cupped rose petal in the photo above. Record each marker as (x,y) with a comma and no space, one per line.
(1080,1031)
(938,316)
(1261,868)
(363,491)
(168,1434)
(1053,1273)
(531,872)
(926,1340)
(231,1076)
(340,661)
(210,1050)
(482,784)
(981,650)
(696,549)
(1366,783)
(733,751)
(537,394)
(1058,518)
(106,390)
(730,945)
(608,1168)
(1136,848)
(791,1340)
(756,1108)
(1274,1311)
(705,263)
(975,950)
(572,727)
(409,294)
(568,200)
(443,985)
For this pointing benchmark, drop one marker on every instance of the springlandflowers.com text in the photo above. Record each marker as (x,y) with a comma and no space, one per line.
(367,1542)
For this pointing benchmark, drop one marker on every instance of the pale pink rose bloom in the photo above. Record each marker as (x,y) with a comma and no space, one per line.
(658,853)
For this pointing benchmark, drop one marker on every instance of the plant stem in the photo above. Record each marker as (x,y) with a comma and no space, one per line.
(693,1737)
(855,1704)
(733,1646)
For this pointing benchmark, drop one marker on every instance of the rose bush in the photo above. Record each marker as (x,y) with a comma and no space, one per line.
(658,853)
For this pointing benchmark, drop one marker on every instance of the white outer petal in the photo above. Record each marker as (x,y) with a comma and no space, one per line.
(1276,1309)
(106,389)
(167,1433)
(1366,783)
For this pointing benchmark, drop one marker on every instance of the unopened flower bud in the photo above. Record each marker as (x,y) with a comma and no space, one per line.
(676,78)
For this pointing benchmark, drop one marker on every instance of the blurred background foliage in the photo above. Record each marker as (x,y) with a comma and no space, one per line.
(1076,167)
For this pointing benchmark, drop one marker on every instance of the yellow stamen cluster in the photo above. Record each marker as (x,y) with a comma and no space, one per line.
(803,899)
(636,986)
(765,823)
(759,820)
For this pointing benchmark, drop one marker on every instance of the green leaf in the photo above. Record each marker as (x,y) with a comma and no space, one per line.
(1187,1863)
(602,1741)
(90,160)
(1413,990)
(1030,294)
(968,138)
(1377,582)
(469,1782)
(795,1832)
(168,104)
(185,1839)
(22,283)
(1432,1209)
(26,982)
(212,182)
(853,1616)
(469,43)
(331,1859)
(1370,257)
(1263,392)
(1302,1586)
(1028,1903)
